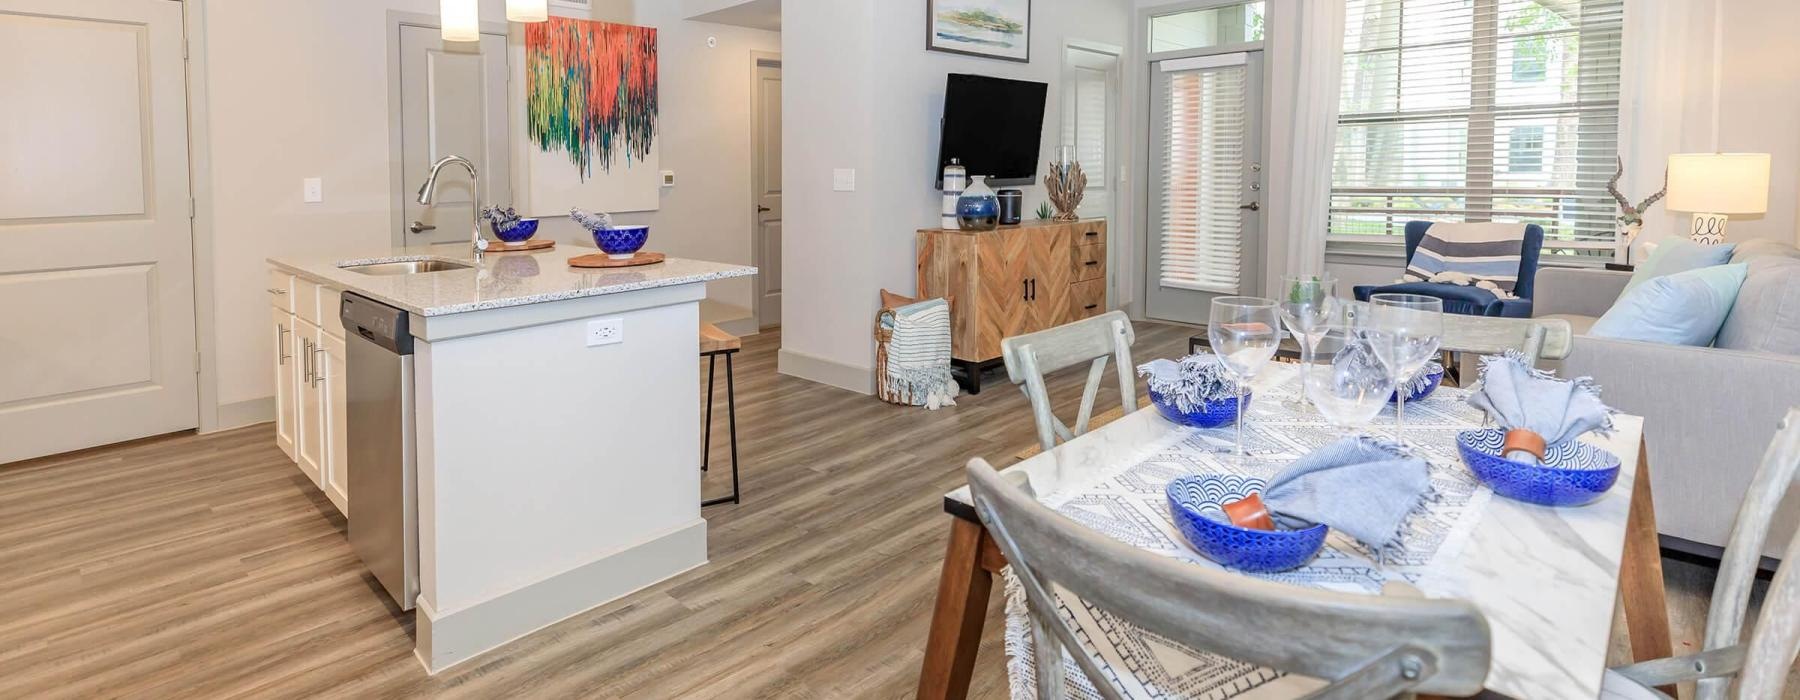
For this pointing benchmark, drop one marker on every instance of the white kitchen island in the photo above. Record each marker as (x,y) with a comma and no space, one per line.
(553,474)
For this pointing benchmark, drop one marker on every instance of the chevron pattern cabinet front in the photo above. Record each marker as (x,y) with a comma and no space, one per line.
(1013,280)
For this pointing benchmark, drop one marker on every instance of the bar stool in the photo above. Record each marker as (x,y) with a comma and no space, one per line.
(713,343)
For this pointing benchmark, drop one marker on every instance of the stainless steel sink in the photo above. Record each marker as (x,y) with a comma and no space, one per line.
(408,267)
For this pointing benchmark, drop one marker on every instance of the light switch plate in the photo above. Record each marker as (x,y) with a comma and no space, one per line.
(314,190)
(605,331)
(843,179)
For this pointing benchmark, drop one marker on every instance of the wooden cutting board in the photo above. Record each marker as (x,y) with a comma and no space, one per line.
(537,244)
(602,260)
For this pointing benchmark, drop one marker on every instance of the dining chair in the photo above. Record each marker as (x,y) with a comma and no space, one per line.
(1092,340)
(1760,665)
(1362,646)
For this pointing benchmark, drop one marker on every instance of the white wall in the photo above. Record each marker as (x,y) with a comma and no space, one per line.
(862,92)
(300,89)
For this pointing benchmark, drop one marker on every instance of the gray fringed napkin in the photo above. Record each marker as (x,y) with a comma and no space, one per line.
(1515,396)
(1191,382)
(1363,486)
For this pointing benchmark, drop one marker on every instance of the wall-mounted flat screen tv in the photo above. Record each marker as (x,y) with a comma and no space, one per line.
(993,126)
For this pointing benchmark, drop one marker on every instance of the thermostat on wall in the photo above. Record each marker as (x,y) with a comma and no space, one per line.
(668,178)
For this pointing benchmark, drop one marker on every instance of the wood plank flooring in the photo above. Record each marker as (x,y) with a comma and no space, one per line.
(207,566)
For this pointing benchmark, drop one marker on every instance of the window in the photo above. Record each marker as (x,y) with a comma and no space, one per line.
(1213,26)
(1479,110)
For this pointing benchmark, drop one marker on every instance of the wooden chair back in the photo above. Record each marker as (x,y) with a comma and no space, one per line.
(1092,340)
(1365,646)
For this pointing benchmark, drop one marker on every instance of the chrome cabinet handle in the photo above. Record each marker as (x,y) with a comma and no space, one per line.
(281,354)
(420,227)
(277,291)
(317,375)
(306,361)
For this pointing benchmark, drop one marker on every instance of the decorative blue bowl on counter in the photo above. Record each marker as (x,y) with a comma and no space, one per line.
(1217,414)
(1197,505)
(621,242)
(1432,380)
(1573,473)
(518,231)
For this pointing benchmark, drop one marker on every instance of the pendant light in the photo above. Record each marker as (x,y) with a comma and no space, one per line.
(461,19)
(528,10)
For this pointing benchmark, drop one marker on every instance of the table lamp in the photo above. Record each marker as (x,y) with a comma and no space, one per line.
(1715,185)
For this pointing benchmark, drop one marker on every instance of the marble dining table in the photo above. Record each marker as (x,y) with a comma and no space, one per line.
(1545,578)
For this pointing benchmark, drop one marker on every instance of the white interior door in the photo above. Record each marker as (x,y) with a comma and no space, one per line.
(766,179)
(452,102)
(96,282)
(1205,215)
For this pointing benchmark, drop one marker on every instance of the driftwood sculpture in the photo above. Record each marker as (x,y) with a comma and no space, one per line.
(1066,184)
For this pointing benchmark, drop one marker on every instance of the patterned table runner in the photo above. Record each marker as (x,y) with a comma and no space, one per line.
(1127,503)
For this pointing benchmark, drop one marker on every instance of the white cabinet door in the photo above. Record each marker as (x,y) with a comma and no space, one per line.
(286,379)
(311,439)
(333,385)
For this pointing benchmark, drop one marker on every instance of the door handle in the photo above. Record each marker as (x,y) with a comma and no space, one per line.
(277,291)
(761,209)
(1253,206)
(281,355)
(1025,290)
(317,375)
(306,360)
(1032,285)
(420,227)
(1091,307)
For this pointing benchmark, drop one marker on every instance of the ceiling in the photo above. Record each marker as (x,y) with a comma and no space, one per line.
(755,14)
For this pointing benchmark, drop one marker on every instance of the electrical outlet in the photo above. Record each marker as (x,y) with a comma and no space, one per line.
(843,180)
(313,190)
(606,331)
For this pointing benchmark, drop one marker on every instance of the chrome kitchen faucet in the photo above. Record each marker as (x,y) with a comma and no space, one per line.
(429,190)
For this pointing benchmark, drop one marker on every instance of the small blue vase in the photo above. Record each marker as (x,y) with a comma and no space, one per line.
(978,209)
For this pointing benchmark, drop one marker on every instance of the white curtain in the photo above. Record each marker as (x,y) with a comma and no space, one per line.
(1667,98)
(1304,52)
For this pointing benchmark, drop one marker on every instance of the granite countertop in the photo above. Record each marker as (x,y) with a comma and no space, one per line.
(500,280)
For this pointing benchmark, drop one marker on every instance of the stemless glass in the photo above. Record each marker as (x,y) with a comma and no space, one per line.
(1405,331)
(1307,305)
(1349,385)
(1244,332)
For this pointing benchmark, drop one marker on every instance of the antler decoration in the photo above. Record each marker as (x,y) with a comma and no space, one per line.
(1630,215)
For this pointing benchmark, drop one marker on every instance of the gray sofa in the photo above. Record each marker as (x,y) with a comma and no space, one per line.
(1708,412)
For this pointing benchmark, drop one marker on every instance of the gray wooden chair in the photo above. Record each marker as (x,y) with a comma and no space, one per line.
(1364,646)
(1092,340)
(1762,664)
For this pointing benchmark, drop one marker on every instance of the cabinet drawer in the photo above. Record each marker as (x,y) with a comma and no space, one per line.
(1089,262)
(306,300)
(281,290)
(1087,298)
(1088,232)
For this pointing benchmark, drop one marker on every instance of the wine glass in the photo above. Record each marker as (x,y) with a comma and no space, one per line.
(1349,385)
(1405,331)
(1244,332)
(1307,305)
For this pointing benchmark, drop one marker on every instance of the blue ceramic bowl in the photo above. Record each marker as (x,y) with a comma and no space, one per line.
(621,241)
(1434,379)
(1216,414)
(1194,502)
(520,231)
(1574,473)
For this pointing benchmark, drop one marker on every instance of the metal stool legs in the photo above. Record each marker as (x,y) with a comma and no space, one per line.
(712,367)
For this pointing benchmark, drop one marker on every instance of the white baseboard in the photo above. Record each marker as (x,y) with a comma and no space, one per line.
(242,413)
(828,372)
(447,639)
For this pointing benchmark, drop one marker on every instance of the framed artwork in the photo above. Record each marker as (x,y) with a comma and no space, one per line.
(987,28)
(583,5)
(588,136)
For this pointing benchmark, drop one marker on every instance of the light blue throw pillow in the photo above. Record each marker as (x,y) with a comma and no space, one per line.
(1686,308)
(1677,255)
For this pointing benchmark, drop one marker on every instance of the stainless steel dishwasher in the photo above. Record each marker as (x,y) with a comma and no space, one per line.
(384,502)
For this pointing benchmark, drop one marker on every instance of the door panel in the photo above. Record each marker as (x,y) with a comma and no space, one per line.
(1050,277)
(334,387)
(1004,262)
(1205,152)
(96,285)
(310,442)
(438,82)
(286,380)
(767,181)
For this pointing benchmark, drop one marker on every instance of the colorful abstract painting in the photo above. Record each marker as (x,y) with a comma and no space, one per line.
(590,122)
(990,28)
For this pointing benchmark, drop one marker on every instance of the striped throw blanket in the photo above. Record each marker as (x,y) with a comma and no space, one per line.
(1479,255)
(915,362)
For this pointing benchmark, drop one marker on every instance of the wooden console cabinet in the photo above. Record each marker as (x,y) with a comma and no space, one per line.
(1011,281)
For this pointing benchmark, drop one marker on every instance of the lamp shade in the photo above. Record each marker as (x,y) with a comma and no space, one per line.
(1719,183)
(528,10)
(461,19)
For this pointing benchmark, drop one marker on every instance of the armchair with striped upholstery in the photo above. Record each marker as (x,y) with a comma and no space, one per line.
(1471,301)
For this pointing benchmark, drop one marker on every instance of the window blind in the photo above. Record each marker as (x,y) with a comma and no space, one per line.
(1203,177)
(1479,110)
(1084,127)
